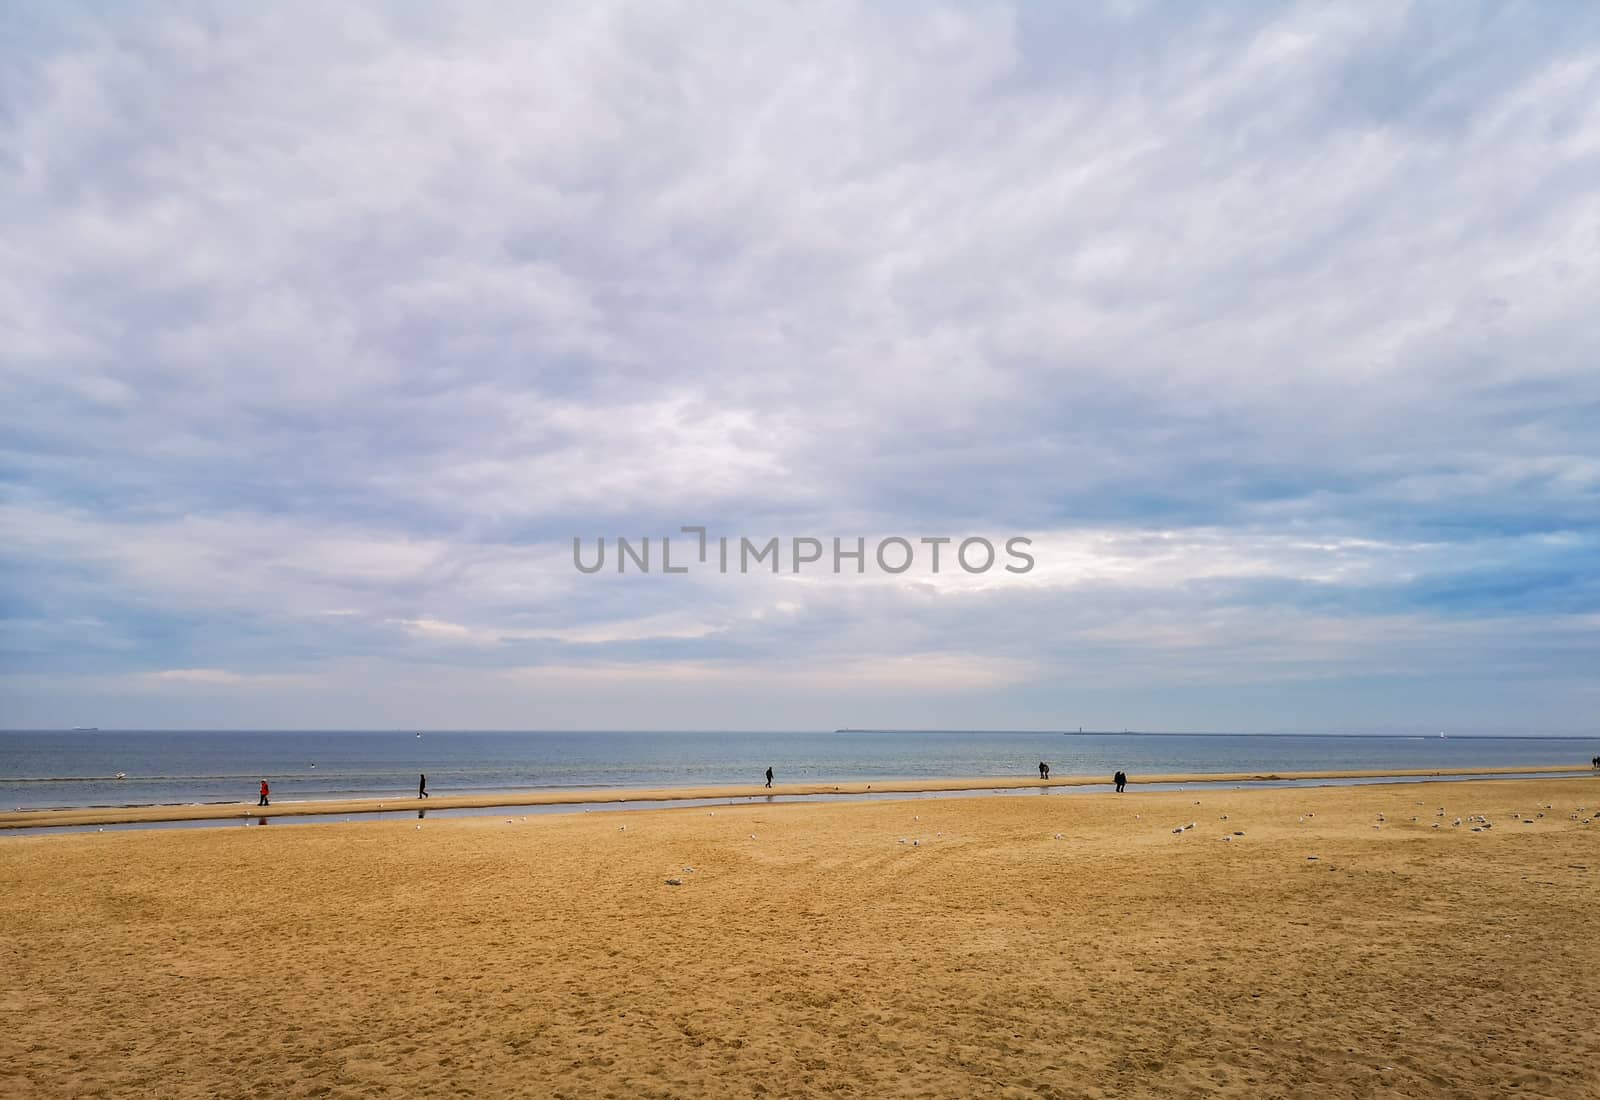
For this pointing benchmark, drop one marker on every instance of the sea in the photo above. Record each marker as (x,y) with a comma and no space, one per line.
(53,768)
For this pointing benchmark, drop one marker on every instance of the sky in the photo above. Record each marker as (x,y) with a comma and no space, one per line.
(325,330)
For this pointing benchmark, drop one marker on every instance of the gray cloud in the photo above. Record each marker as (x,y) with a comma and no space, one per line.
(325,331)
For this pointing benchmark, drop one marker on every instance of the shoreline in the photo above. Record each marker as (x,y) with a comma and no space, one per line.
(135,815)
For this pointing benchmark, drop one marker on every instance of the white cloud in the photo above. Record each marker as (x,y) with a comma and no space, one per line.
(1278,319)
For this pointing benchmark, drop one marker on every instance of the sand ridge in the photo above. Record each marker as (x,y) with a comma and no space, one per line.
(999,946)
(118,815)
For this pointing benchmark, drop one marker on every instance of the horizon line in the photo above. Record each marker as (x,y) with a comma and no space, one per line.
(845,729)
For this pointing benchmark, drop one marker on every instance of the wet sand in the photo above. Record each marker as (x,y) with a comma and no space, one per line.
(1022,946)
(124,815)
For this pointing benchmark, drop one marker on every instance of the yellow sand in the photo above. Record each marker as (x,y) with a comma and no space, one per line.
(810,952)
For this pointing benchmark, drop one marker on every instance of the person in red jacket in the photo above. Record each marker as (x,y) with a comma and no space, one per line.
(265,790)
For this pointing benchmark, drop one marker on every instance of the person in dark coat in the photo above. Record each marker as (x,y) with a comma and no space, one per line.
(769,777)
(422,785)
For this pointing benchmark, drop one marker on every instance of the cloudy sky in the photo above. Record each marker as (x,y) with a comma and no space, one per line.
(325,329)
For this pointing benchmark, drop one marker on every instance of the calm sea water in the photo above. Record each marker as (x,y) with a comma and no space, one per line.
(54,768)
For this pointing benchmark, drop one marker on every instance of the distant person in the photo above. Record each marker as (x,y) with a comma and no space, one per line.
(422,785)
(769,777)
(265,791)
(1044,770)
(1121,780)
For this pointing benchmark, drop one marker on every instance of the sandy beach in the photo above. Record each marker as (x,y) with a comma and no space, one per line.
(1290,943)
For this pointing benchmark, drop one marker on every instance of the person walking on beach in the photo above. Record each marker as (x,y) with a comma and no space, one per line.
(769,777)
(1121,780)
(1044,770)
(422,785)
(265,790)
